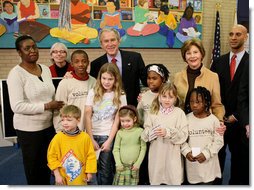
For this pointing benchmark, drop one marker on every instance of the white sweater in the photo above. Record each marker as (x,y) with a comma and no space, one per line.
(28,94)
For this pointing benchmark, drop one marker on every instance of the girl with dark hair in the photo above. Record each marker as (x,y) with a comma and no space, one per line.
(204,142)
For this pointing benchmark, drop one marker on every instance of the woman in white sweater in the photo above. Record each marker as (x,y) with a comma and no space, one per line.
(31,94)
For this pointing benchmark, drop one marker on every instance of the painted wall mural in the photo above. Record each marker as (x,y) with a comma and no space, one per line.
(141,23)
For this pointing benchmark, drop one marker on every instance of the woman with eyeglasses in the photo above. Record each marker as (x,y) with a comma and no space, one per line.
(59,55)
(31,93)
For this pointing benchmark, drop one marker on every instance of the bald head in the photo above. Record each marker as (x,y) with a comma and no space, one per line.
(237,38)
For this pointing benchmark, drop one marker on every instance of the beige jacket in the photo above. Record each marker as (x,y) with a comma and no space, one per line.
(207,79)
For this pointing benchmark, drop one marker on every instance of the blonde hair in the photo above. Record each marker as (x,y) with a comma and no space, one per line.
(129,111)
(99,91)
(70,111)
(164,88)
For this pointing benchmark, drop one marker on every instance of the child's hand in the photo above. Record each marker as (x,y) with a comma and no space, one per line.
(190,157)
(134,168)
(95,145)
(160,132)
(89,177)
(105,147)
(200,158)
(119,168)
(59,180)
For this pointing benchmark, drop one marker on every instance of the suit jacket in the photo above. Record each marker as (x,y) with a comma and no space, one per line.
(243,96)
(229,89)
(132,72)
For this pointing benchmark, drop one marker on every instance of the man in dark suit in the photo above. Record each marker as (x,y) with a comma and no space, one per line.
(229,95)
(243,107)
(130,64)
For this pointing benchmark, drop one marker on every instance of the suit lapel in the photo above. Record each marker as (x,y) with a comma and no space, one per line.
(125,60)
(240,67)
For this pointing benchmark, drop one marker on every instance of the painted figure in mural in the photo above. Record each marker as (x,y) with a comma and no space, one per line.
(167,23)
(8,18)
(80,16)
(142,16)
(187,27)
(28,12)
(112,18)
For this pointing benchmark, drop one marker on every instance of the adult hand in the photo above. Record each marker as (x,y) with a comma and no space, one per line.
(68,75)
(54,105)
(247,127)
(221,130)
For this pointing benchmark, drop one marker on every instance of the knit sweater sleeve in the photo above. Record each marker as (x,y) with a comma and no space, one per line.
(116,149)
(142,150)
(19,102)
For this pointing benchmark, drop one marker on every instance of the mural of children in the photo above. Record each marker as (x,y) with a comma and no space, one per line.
(112,18)
(188,27)
(80,16)
(8,18)
(28,11)
(142,15)
(167,24)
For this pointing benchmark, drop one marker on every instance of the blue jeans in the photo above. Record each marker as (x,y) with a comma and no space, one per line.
(105,163)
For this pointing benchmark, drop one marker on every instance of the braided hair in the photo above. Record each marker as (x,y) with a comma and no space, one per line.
(205,95)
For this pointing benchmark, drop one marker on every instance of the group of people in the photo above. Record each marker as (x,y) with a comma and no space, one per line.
(172,134)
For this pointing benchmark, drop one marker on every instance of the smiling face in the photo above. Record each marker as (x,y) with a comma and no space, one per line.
(110,43)
(59,55)
(193,57)
(9,8)
(80,63)
(237,38)
(107,81)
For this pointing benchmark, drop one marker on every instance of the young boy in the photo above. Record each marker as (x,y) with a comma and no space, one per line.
(74,90)
(71,154)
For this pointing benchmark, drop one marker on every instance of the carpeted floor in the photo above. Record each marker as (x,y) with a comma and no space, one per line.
(12,171)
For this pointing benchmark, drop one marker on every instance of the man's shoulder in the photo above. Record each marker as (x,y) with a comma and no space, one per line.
(124,52)
(99,59)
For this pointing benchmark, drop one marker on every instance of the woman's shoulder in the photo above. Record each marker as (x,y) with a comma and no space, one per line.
(208,73)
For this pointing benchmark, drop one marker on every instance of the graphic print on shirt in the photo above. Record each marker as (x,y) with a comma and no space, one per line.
(72,165)
(104,110)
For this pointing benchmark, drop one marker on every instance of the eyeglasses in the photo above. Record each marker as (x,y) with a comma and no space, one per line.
(60,51)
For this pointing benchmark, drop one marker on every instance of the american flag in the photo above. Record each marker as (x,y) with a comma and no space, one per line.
(216,45)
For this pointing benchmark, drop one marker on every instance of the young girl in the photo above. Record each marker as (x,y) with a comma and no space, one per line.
(157,74)
(166,129)
(102,121)
(70,154)
(201,149)
(129,149)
